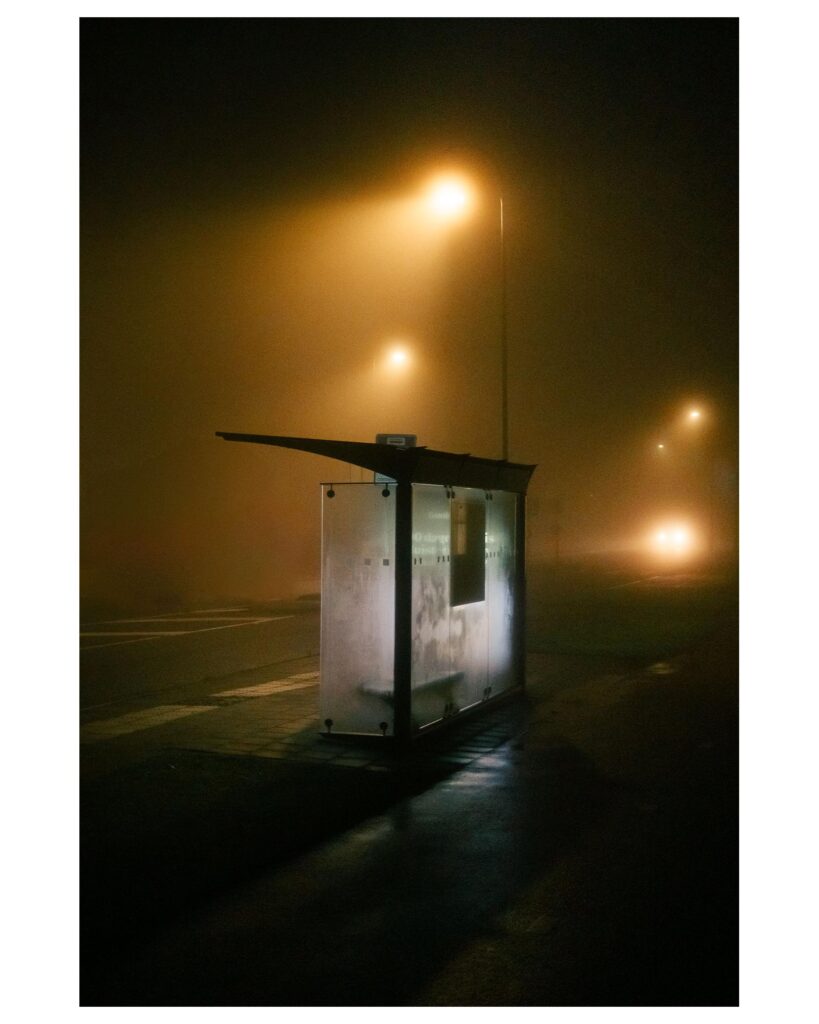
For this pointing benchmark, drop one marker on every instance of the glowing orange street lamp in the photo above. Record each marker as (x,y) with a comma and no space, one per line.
(398,357)
(395,359)
(450,197)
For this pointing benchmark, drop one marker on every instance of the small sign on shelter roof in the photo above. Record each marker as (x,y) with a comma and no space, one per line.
(399,441)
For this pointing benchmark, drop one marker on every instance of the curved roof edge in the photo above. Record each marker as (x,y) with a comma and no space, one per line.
(407,465)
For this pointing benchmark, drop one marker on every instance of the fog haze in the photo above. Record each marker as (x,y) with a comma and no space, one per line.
(254,239)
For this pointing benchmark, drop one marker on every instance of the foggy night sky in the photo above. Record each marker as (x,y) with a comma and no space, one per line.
(247,251)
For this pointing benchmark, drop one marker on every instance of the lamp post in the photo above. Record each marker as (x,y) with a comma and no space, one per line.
(701,463)
(694,418)
(696,422)
(450,197)
(504,343)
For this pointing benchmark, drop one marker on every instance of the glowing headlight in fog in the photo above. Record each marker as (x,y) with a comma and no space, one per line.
(672,539)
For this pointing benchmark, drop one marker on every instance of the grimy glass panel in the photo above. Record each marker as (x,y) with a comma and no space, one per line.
(434,680)
(468,617)
(357,608)
(448,640)
(500,589)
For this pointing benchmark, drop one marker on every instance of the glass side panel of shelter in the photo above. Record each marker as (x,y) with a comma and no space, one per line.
(357,608)
(463,599)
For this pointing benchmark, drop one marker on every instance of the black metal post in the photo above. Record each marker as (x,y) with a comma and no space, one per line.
(402,666)
(520,591)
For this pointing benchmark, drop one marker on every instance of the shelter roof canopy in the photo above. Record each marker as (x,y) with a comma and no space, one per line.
(407,465)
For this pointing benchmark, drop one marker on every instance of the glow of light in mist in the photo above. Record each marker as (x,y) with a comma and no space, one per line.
(449,197)
(673,540)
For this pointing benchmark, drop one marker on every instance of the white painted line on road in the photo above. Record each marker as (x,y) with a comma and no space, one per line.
(198,618)
(266,689)
(143,632)
(175,616)
(118,643)
(158,634)
(205,611)
(110,728)
(171,615)
(634,583)
(233,625)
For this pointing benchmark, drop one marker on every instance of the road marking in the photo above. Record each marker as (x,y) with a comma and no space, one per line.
(110,728)
(198,618)
(634,583)
(203,611)
(141,636)
(144,632)
(266,689)
(118,643)
(171,615)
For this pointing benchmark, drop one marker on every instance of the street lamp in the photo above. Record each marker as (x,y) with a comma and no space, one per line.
(393,363)
(398,357)
(697,420)
(392,368)
(450,196)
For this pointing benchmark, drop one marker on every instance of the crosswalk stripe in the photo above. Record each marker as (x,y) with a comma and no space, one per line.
(266,689)
(110,728)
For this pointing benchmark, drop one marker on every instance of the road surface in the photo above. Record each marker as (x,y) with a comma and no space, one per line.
(576,847)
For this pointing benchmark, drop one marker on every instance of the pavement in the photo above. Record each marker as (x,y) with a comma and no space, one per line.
(574,846)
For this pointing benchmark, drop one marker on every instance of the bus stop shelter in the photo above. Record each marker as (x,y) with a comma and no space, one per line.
(422,586)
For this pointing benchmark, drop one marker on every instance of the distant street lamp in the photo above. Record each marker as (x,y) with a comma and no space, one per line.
(450,197)
(392,369)
(391,362)
(695,418)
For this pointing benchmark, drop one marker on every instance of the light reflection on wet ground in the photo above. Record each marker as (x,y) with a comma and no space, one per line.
(662,668)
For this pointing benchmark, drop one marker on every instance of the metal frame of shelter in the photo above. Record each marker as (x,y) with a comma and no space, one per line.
(421,465)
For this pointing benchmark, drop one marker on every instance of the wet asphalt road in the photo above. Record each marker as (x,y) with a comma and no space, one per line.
(131,662)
